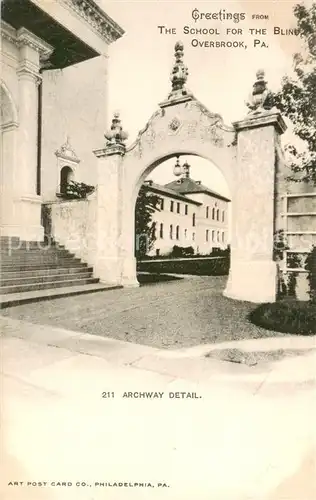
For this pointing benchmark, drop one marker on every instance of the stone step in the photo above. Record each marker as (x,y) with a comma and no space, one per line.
(43,272)
(16,244)
(32,270)
(4,281)
(15,299)
(35,267)
(34,253)
(44,286)
(37,259)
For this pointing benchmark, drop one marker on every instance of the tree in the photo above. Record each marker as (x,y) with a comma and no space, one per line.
(146,205)
(297,98)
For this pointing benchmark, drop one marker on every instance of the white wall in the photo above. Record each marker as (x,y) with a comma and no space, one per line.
(74,105)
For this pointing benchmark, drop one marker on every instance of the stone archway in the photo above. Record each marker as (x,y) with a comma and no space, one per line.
(246,154)
(8,125)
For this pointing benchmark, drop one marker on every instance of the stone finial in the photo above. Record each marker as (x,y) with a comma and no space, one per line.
(179,74)
(186,170)
(116,135)
(261,98)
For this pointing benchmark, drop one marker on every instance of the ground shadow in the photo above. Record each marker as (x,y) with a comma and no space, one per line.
(151,278)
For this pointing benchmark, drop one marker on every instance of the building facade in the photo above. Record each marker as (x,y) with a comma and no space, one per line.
(53,96)
(190,215)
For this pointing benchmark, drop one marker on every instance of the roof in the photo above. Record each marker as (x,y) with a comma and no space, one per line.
(158,188)
(190,186)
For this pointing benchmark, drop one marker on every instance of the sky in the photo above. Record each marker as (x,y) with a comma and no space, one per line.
(141,61)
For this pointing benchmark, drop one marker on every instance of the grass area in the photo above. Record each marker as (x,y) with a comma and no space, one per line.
(203,267)
(289,316)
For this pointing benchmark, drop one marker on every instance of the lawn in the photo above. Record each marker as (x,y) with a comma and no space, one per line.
(286,316)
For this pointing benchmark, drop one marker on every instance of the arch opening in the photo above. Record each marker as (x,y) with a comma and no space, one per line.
(190,211)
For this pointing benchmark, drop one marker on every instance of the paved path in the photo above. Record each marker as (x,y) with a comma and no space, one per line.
(174,314)
(249,435)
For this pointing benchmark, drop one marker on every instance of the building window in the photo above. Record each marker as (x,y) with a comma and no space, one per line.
(223,216)
(171,231)
(185,233)
(206,234)
(171,206)
(157,252)
(193,220)
(178,208)
(161,231)
(177,232)
(193,236)
(223,237)
(154,230)
(218,236)
(207,211)
(213,213)
(162,203)
(186,208)
(213,236)
(217,214)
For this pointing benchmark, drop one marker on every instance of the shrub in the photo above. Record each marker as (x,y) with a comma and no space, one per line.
(181,251)
(220,252)
(310,266)
(199,267)
(77,190)
(288,316)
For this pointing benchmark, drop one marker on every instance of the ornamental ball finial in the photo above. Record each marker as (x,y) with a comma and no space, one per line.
(261,98)
(179,46)
(179,74)
(116,135)
(260,74)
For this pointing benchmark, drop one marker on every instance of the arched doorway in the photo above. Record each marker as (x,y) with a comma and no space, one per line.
(66,175)
(9,125)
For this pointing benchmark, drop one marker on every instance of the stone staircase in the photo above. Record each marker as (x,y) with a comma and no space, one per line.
(32,271)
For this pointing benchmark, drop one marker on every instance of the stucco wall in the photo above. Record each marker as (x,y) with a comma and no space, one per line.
(74,105)
(73,224)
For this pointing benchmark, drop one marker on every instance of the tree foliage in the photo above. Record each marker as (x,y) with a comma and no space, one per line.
(145,231)
(297,97)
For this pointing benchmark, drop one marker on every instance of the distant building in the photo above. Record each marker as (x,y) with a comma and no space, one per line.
(190,214)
